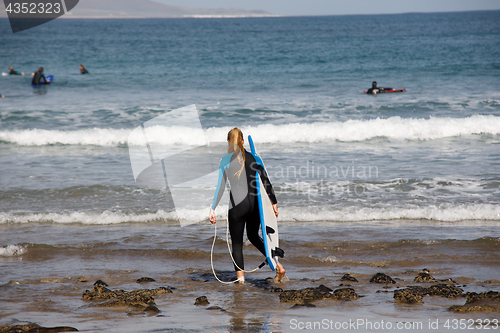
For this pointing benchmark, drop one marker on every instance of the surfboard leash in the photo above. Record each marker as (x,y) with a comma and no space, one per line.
(230,253)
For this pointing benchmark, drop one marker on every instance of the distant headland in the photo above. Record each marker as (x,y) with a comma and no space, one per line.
(147,9)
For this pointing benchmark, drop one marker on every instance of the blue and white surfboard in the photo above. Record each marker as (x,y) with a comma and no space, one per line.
(268,220)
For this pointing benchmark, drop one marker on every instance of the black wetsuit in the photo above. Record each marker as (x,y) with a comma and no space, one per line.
(37,79)
(84,71)
(377,90)
(244,207)
(13,72)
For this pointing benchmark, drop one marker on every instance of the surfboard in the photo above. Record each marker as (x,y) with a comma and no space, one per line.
(5,74)
(388,91)
(268,220)
(49,78)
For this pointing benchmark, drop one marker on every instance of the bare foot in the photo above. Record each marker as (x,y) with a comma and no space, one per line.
(280,273)
(240,276)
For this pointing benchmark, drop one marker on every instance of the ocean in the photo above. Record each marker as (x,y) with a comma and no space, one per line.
(391,183)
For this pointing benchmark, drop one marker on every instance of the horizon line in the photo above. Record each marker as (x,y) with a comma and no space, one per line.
(270,15)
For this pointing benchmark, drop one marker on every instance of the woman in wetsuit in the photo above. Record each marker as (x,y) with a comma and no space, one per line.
(240,168)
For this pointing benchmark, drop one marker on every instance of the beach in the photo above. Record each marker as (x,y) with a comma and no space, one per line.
(404,184)
(123,254)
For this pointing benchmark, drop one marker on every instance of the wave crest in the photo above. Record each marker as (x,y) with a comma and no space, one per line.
(352,130)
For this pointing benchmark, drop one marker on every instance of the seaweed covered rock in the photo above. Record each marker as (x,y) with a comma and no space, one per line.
(137,298)
(348,277)
(488,301)
(32,328)
(415,294)
(424,277)
(345,293)
(381,278)
(145,280)
(308,295)
(408,296)
(442,289)
(202,300)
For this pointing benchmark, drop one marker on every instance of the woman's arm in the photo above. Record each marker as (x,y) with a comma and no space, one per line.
(219,191)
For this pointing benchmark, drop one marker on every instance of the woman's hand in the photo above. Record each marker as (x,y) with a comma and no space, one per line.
(275,208)
(212,217)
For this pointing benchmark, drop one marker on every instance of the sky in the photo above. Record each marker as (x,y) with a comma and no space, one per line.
(342,7)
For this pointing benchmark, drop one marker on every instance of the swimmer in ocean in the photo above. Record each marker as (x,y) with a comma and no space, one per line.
(83,70)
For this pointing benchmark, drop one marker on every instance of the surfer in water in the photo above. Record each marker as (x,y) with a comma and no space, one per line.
(374,89)
(240,168)
(83,70)
(38,76)
(13,72)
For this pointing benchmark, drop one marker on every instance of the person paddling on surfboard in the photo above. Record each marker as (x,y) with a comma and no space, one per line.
(13,72)
(240,168)
(37,78)
(374,89)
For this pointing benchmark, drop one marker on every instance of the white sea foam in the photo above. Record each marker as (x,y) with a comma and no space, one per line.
(352,130)
(445,213)
(12,250)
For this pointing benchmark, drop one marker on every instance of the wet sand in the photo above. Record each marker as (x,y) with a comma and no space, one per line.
(45,284)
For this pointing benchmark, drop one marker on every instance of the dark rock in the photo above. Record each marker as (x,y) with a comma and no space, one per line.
(488,301)
(35,328)
(152,309)
(307,305)
(445,290)
(137,298)
(100,283)
(266,284)
(211,308)
(202,300)
(381,278)
(305,295)
(308,295)
(424,277)
(414,294)
(345,293)
(487,296)
(348,277)
(408,296)
(145,279)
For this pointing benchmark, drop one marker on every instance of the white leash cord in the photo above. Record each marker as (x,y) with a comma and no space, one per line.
(230,252)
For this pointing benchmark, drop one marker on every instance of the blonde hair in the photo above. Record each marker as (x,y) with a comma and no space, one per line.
(235,140)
